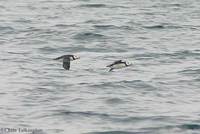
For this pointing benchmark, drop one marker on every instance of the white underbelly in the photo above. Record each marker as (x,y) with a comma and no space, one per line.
(118,66)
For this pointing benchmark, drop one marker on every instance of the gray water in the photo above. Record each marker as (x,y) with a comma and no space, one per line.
(159,94)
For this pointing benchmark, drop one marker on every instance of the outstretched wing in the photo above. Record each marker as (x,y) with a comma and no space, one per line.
(59,57)
(66,63)
(63,56)
(115,62)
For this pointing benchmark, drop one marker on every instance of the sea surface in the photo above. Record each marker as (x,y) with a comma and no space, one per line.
(158,94)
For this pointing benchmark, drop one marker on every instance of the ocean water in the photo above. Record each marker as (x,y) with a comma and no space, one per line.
(158,94)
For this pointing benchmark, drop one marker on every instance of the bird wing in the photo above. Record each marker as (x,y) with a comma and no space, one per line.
(115,62)
(118,61)
(59,57)
(66,63)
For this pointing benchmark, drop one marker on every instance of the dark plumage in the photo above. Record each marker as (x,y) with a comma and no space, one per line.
(66,63)
(66,60)
(118,64)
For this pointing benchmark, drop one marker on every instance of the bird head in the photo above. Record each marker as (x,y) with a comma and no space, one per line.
(75,57)
(128,63)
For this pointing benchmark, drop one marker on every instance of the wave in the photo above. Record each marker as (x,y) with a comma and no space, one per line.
(162,26)
(64,25)
(174,128)
(116,132)
(104,116)
(177,54)
(83,113)
(155,27)
(105,27)
(6,29)
(23,21)
(88,36)
(190,126)
(98,5)
(93,5)
(136,84)
(190,71)
(114,101)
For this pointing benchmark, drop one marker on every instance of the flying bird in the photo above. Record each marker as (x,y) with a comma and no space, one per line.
(118,64)
(66,60)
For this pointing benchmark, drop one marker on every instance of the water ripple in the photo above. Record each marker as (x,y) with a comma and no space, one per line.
(117,132)
(93,5)
(89,36)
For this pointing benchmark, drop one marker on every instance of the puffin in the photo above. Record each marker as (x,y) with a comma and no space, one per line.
(66,60)
(118,64)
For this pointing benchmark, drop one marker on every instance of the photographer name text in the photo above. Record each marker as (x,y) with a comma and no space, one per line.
(19,130)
